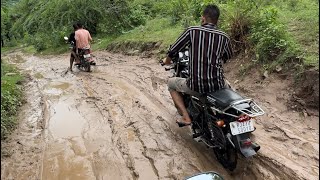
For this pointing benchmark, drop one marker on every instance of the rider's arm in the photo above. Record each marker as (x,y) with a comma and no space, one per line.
(76,37)
(167,60)
(89,36)
(180,43)
(227,54)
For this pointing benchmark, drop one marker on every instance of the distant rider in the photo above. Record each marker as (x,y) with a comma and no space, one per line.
(83,39)
(208,47)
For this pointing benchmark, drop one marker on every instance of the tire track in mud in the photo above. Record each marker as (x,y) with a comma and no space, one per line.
(286,171)
(146,93)
(147,113)
(136,133)
(129,129)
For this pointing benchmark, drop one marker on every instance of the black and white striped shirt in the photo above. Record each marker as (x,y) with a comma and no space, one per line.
(208,47)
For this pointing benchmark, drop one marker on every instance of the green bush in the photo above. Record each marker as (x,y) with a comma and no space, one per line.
(11,95)
(236,20)
(136,16)
(263,28)
(49,21)
(268,35)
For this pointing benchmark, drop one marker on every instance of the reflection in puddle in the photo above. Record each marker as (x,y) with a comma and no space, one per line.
(38,76)
(56,88)
(65,157)
(65,121)
(60,85)
(62,162)
(54,92)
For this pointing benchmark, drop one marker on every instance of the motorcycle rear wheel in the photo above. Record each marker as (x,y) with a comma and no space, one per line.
(227,157)
(88,69)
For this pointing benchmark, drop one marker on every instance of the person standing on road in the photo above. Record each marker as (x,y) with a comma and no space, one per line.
(208,48)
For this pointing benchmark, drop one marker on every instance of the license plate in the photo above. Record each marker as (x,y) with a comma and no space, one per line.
(241,127)
(86,55)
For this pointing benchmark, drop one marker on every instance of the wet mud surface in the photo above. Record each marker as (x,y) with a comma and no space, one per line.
(118,122)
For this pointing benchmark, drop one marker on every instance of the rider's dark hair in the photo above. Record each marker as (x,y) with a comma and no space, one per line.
(75,26)
(211,13)
(79,25)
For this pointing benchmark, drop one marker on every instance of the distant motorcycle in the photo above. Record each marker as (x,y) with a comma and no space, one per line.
(223,120)
(84,56)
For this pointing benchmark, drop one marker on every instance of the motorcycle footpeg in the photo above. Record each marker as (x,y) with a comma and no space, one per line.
(195,135)
(198,139)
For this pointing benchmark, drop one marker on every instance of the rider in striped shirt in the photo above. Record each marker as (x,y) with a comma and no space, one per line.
(208,49)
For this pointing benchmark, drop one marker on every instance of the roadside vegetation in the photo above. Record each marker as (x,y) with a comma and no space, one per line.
(11,97)
(271,34)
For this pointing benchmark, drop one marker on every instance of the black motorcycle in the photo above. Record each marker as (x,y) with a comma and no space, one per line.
(84,55)
(223,120)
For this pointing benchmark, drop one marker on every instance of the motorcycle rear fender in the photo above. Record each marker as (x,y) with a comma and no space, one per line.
(245,150)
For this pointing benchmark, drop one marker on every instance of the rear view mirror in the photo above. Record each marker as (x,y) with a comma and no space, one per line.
(66,38)
(206,176)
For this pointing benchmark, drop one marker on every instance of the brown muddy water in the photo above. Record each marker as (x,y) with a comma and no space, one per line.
(118,122)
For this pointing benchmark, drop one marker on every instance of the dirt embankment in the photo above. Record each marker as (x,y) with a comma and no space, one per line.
(142,49)
(304,90)
(308,90)
(117,122)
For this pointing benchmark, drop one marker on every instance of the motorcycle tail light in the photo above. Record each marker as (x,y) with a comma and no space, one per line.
(243,118)
(220,123)
(246,142)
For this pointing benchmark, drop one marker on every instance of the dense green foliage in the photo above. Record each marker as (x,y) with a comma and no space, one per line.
(43,23)
(11,95)
(273,31)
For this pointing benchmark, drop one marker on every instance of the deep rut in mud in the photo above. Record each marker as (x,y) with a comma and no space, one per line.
(117,122)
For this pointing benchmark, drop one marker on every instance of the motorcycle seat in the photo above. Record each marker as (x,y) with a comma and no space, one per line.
(224,97)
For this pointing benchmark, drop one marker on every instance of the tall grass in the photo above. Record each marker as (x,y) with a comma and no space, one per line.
(11,96)
(302,20)
(155,30)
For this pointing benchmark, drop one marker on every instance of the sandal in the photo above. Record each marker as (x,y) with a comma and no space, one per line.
(182,124)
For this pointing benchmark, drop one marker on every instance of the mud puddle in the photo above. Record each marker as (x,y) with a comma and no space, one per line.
(118,122)
(65,151)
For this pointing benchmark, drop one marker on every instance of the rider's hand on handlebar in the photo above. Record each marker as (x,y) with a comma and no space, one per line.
(161,62)
(166,61)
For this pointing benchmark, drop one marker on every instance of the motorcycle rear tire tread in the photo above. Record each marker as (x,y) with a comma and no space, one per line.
(225,162)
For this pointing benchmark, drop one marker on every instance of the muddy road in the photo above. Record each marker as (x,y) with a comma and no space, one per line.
(118,122)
